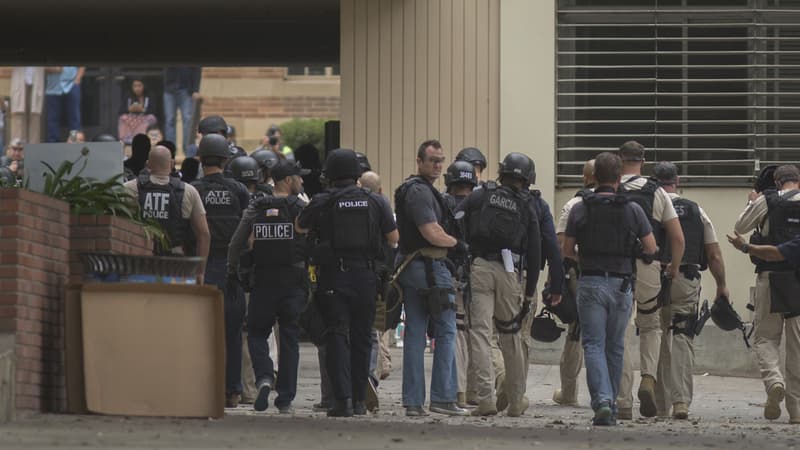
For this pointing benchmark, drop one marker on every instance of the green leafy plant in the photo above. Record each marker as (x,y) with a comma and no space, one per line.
(87,195)
(297,132)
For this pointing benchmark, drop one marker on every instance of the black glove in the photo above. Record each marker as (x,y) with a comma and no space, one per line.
(461,249)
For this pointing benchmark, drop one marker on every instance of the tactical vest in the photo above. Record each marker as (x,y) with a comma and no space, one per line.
(645,197)
(275,242)
(351,234)
(538,204)
(223,210)
(693,234)
(411,239)
(163,203)
(583,192)
(264,187)
(500,222)
(606,230)
(784,225)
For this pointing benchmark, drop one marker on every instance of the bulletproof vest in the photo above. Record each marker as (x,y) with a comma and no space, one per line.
(583,192)
(693,234)
(784,225)
(163,203)
(351,232)
(223,209)
(500,222)
(645,197)
(264,187)
(411,239)
(275,242)
(538,204)
(606,230)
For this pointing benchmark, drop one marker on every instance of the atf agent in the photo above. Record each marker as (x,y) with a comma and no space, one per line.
(504,238)
(175,205)
(426,235)
(224,200)
(774,214)
(679,318)
(605,226)
(353,225)
(572,354)
(281,284)
(460,180)
(667,231)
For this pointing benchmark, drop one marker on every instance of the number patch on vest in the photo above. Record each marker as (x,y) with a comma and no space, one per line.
(156,205)
(218,198)
(273,231)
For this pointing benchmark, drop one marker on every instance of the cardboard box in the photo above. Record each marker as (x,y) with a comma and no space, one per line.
(153,349)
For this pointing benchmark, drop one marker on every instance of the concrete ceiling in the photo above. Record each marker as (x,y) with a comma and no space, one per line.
(164,32)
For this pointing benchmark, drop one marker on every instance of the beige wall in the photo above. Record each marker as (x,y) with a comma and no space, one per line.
(418,69)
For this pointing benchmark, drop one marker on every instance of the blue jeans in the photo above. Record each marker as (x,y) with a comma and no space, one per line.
(604,312)
(63,106)
(235,307)
(444,382)
(173,101)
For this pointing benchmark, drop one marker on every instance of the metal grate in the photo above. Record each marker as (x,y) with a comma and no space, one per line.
(712,85)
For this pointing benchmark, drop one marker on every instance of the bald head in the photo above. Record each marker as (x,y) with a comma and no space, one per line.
(159,161)
(371,181)
(588,174)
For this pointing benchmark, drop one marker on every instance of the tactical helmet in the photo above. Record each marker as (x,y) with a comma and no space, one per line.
(460,172)
(342,164)
(519,166)
(363,162)
(724,316)
(214,145)
(267,159)
(544,328)
(473,156)
(7,177)
(567,308)
(765,179)
(212,124)
(245,169)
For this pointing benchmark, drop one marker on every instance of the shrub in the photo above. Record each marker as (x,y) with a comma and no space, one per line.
(297,132)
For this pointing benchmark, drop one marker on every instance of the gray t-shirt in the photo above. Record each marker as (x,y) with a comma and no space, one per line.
(421,206)
(640,225)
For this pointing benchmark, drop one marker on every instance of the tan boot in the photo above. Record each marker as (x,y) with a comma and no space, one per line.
(680,411)
(485,408)
(625,414)
(461,399)
(558,397)
(502,401)
(647,396)
(516,409)
(775,394)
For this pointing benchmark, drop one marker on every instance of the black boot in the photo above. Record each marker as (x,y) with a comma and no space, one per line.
(360,409)
(341,408)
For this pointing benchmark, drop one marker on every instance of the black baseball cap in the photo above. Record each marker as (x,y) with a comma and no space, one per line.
(286,168)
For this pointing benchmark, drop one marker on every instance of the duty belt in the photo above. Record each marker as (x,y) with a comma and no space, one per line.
(346,264)
(489,256)
(600,273)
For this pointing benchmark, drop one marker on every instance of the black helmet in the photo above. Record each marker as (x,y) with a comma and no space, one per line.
(566,310)
(213,124)
(724,316)
(214,145)
(245,169)
(473,156)
(363,162)
(7,177)
(765,179)
(267,159)
(544,328)
(520,166)
(342,164)
(460,172)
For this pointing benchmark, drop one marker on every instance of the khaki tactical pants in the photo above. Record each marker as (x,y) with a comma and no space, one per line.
(769,328)
(648,283)
(625,395)
(462,343)
(496,292)
(572,354)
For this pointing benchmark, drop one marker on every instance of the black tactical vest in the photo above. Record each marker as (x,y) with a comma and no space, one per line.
(606,230)
(645,197)
(500,222)
(275,242)
(352,235)
(583,192)
(411,239)
(223,210)
(264,187)
(784,225)
(163,203)
(693,234)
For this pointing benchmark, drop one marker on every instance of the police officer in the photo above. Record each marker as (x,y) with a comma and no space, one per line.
(505,239)
(281,283)
(460,180)
(246,170)
(605,226)
(224,200)
(175,205)
(217,125)
(774,214)
(667,231)
(572,354)
(267,159)
(679,318)
(352,224)
(475,157)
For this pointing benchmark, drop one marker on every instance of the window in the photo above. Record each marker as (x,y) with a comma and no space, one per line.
(712,85)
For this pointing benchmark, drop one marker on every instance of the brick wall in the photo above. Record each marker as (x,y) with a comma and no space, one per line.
(34,243)
(275,108)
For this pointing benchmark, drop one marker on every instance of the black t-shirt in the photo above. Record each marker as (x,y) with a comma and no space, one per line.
(421,206)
